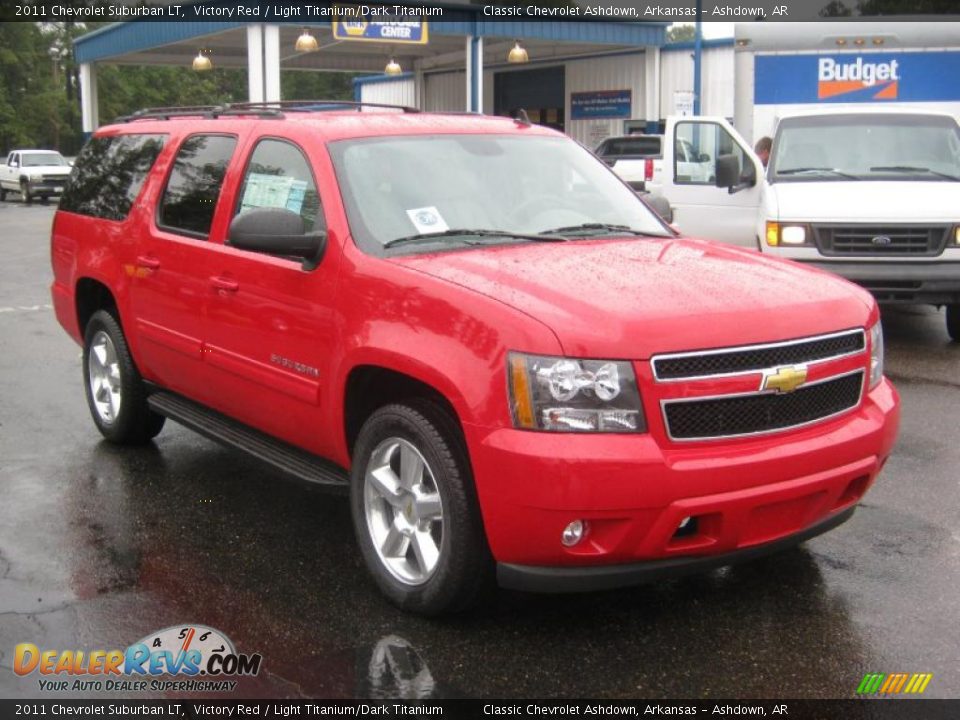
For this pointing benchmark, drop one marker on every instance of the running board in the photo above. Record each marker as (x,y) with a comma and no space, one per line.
(275,453)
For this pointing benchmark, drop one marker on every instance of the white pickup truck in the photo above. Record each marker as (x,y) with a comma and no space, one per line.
(34,173)
(873,196)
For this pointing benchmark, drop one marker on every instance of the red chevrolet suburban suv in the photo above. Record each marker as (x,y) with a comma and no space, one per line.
(516,369)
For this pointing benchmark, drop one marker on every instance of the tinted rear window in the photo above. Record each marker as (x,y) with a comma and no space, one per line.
(193,189)
(109,173)
(645,146)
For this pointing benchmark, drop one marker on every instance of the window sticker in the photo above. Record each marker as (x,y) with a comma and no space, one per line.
(298,191)
(427,220)
(272,191)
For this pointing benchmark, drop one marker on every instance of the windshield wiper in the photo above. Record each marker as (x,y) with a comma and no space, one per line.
(588,228)
(911,168)
(466,232)
(797,171)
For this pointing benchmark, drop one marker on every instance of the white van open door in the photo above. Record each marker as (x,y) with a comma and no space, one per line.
(692,148)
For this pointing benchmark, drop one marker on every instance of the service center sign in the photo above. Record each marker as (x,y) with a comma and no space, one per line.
(391,31)
(857,77)
(600,104)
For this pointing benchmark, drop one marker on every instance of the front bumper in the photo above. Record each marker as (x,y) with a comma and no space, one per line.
(47,187)
(607,577)
(634,492)
(935,282)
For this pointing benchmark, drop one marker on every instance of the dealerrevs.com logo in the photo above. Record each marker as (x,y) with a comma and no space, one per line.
(199,657)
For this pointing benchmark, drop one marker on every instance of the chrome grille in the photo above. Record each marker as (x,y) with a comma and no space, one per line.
(756,413)
(753,358)
(912,240)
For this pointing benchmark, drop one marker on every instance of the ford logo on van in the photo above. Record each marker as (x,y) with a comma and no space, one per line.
(881,240)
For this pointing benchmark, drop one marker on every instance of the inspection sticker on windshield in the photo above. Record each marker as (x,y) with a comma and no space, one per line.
(427,220)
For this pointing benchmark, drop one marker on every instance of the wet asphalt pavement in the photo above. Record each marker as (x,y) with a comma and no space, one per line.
(100,546)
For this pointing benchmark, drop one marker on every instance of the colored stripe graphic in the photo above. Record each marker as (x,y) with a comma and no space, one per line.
(833,88)
(894,683)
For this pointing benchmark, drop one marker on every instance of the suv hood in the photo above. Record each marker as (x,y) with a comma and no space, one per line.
(868,201)
(634,298)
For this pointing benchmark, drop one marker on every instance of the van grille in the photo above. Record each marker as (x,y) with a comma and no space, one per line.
(883,240)
(735,415)
(757,357)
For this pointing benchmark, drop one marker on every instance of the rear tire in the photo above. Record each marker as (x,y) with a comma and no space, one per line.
(115,391)
(3,194)
(415,511)
(953,321)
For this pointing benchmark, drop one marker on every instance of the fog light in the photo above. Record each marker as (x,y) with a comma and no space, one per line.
(573,533)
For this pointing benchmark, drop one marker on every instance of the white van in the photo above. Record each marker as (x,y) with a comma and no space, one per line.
(873,196)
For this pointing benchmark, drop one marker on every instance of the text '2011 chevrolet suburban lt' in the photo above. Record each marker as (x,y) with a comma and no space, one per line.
(516,369)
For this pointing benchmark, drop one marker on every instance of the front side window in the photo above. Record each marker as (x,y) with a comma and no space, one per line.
(866,147)
(193,188)
(109,173)
(418,192)
(278,176)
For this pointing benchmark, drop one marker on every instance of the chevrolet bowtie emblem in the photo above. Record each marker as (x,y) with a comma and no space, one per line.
(784,379)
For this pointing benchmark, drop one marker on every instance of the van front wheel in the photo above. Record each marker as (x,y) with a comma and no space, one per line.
(953,321)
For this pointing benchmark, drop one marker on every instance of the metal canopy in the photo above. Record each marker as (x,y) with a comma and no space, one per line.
(458,42)
(176,43)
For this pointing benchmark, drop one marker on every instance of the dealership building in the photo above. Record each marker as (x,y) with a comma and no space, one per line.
(590,79)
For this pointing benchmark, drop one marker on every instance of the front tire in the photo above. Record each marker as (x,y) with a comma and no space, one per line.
(25,192)
(115,391)
(3,194)
(415,512)
(953,321)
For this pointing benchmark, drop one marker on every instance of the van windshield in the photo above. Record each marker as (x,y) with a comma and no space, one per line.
(866,147)
(416,191)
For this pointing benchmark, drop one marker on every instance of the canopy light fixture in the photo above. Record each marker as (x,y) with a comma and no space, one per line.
(306,42)
(518,54)
(202,62)
(393,68)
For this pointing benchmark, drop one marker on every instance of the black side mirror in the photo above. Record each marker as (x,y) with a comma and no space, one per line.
(728,174)
(277,231)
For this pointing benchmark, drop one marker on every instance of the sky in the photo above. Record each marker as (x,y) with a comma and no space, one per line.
(715,29)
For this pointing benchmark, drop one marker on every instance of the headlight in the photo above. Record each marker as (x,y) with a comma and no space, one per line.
(956,235)
(788,234)
(568,395)
(876,354)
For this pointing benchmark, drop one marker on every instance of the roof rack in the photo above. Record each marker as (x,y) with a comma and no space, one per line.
(272,109)
(317,105)
(204,111)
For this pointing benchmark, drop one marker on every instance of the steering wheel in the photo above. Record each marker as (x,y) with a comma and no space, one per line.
(536,205)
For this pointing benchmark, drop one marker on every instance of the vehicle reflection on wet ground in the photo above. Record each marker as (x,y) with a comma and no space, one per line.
(100,546)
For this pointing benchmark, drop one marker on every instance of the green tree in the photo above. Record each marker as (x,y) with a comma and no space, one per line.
(681,31)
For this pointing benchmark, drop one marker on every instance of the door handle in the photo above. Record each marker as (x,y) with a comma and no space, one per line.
(145,261)
(224,284)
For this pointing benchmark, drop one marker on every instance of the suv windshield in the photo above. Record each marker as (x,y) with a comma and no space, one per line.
(41,159)
(866,147)
(421,186)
